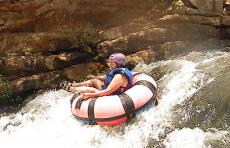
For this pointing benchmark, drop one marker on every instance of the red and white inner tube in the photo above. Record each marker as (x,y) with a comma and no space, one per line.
(116,109)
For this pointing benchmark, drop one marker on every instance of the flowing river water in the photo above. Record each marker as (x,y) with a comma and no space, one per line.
(193,112)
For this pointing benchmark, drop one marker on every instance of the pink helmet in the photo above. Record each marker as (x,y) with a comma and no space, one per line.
(119,58)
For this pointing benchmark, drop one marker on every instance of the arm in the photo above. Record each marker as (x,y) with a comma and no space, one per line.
(113,86)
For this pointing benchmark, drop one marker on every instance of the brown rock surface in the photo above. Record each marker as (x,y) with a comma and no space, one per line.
(226,20)
(45,41)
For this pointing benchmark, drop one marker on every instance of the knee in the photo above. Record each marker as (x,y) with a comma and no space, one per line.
(98,83)
(95,81)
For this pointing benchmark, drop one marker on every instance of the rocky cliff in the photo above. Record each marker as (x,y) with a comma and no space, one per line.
(43,42)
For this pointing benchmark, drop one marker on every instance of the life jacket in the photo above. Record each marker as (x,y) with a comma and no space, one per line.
(110,76)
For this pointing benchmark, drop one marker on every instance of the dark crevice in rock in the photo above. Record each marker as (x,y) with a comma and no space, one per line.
(43,63)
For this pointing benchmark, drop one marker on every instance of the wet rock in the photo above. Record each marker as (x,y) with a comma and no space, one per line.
(53,78)
(53,15)
(193,19)
(169,49)
(35,82)
(226,20)
(215,100)
(209,7)
(81,71)
(226,33)
(42,38)
(142,40)
(29,64)
(24,43)
(227,44)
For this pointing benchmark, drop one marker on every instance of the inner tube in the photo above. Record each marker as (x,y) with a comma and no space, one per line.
(117,109)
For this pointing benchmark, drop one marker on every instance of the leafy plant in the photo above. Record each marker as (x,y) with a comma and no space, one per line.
(5,90)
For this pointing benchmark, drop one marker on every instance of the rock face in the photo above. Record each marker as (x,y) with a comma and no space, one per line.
(210,7)
(43,42)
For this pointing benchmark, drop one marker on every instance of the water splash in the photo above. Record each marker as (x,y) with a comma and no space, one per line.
(196,137)
(47,120)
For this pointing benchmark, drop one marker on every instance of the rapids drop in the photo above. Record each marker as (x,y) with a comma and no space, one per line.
(176,122)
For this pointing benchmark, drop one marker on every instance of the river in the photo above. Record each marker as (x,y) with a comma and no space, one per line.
(193,111)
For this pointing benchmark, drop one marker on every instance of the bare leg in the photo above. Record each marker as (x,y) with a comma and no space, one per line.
(83,89)
(96,83)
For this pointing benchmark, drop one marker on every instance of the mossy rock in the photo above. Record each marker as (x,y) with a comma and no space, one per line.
(5,91)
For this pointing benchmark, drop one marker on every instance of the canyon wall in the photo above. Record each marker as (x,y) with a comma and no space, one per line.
(43,42)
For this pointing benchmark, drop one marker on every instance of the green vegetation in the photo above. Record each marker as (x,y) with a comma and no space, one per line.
(5,91)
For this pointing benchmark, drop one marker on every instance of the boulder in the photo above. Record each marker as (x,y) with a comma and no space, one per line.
(209,7)
(81,71)
(35,82)
(150,36)
(41,42)
(52,79)
(169,49)
(32,64)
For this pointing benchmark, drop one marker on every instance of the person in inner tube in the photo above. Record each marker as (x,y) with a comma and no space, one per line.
(116,81)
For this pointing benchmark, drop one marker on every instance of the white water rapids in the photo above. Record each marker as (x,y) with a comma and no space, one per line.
(46,121)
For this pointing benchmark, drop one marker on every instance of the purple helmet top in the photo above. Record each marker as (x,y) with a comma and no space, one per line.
(119,58)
